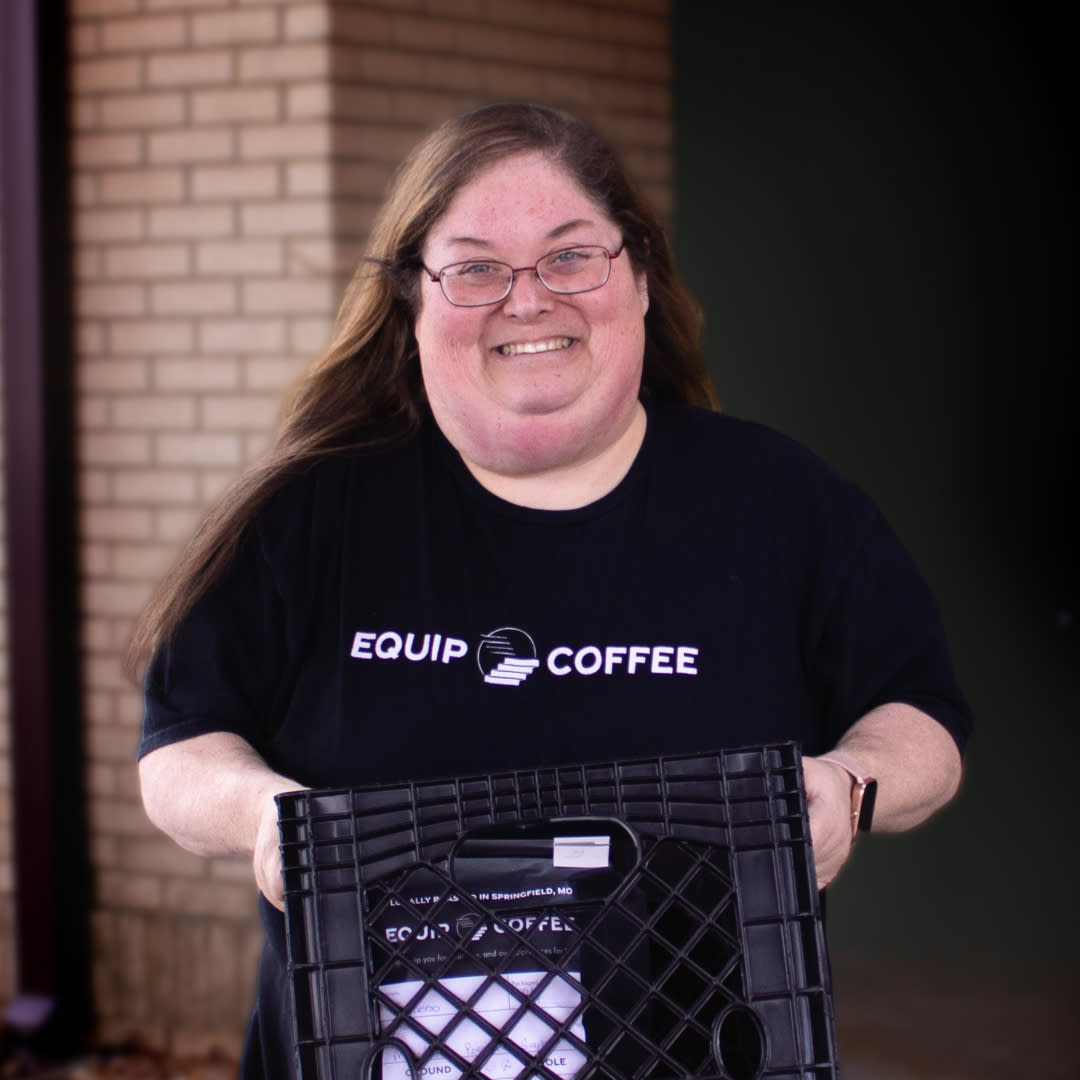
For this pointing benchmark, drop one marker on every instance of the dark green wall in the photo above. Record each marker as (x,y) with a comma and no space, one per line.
(874,205)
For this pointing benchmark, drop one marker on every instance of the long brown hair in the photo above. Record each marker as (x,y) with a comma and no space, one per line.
(366,386)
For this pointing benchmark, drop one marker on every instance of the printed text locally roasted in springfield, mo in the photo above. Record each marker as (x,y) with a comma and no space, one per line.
(508,656)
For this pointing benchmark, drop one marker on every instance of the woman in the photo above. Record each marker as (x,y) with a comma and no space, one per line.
(503,526)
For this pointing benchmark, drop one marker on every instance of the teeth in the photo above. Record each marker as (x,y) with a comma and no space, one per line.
(536,346)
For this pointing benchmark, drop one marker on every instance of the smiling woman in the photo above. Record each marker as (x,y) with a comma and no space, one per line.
(510,452)
(538,391)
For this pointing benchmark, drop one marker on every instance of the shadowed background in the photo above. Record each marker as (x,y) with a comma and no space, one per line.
(874,205)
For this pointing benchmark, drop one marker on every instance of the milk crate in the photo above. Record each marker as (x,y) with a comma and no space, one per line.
(645,919)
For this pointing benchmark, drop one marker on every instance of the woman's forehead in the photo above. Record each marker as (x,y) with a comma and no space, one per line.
(523,194)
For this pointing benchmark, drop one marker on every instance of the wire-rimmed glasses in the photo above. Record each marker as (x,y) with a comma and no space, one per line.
(477,282)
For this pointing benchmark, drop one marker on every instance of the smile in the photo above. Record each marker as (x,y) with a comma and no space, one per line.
(535,346)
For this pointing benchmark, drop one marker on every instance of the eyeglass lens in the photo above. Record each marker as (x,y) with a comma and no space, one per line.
(571,270)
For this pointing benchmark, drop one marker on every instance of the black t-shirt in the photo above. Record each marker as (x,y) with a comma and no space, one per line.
(389,618)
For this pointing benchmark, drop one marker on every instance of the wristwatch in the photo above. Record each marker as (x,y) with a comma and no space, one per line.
(863,794)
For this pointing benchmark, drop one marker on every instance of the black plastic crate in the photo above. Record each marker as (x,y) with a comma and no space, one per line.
(646,919)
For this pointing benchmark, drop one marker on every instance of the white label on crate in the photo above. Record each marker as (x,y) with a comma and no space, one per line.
(582,852)
(496,1005)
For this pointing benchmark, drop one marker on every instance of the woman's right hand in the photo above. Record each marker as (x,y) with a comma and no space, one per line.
(267,858)
(214,795)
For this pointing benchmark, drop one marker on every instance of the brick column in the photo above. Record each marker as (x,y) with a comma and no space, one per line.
(203,285)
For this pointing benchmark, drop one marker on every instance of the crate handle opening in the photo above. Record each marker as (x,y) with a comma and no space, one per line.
(739,1043)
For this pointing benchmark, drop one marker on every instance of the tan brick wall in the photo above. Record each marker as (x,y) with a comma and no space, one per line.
(201,273)
(229,157)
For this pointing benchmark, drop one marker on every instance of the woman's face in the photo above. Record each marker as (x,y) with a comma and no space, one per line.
(539,381)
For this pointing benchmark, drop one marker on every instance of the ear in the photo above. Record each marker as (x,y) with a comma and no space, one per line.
(643,292)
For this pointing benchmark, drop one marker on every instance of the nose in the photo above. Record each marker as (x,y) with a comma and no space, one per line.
(528,296)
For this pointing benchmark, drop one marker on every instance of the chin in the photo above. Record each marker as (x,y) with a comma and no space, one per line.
(538,442)
(523,404)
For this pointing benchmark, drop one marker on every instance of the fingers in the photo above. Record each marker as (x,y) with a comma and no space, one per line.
(828,798)
(267,858)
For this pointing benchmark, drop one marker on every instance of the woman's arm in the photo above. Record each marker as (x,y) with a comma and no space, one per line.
(214,795)
(917,766)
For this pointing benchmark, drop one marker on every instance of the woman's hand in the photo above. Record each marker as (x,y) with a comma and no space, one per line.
(828,798)
(214,796)
(267,858)
(915,762)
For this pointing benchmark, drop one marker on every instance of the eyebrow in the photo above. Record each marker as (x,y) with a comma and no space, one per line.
(554,234)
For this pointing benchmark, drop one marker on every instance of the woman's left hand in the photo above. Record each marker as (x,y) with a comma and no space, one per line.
(828,798)
(915,761)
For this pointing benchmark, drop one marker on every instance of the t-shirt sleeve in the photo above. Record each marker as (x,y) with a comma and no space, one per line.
(880,638)
(220,669)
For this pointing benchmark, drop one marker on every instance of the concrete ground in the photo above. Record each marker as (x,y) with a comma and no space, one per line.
(950,1026)
(891,1025)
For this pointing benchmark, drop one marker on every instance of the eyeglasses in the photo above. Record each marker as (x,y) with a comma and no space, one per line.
(481,281)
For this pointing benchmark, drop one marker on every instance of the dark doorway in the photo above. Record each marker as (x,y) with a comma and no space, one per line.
(875,205)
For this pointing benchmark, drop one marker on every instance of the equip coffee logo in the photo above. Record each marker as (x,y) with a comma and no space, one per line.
(507,657)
